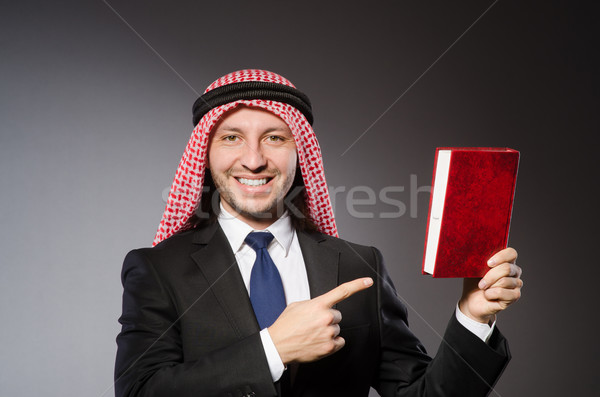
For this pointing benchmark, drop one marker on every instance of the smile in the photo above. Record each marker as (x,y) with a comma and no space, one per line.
(252,182)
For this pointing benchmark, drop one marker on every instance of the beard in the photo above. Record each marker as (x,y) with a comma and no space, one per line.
(271,208)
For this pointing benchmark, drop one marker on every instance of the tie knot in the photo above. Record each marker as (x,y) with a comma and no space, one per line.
(258,240)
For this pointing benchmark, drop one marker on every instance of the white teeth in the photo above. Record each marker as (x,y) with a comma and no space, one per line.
(252,182)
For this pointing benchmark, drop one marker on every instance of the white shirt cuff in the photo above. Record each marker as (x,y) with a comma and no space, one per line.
(275,364)
(483,331)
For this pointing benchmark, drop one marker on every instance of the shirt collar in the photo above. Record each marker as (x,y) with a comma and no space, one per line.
(236,230)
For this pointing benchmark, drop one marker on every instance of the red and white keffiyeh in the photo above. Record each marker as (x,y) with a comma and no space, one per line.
(186,189)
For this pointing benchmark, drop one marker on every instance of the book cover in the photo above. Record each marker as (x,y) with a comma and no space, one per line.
(469,209)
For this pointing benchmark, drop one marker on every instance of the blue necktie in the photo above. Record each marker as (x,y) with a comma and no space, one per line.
(266,289)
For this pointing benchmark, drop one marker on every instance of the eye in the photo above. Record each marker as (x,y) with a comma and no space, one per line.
(275,138)
(230,138)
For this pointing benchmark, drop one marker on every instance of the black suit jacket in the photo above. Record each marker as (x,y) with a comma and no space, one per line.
(188,329)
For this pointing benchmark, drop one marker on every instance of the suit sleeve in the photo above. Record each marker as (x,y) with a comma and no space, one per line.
(464,365)
(150,359)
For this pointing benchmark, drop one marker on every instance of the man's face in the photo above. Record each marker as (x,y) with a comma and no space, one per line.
(252,158)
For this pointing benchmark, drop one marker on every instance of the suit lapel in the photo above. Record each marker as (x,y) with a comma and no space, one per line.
(322,265)
(218,265)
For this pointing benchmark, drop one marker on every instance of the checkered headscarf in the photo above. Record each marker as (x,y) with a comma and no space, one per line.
(186,189)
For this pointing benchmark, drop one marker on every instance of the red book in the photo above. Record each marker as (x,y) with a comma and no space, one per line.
(469,209)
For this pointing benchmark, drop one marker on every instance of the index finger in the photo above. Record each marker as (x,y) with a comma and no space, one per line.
(506,255)
(344,291)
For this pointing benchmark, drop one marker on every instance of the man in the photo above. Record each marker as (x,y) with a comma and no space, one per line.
(219,307)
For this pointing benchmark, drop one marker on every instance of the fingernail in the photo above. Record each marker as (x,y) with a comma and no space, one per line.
(482,284)
(491,262)
(368,281)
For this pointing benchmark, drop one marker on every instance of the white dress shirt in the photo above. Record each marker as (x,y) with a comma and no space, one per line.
(287,256)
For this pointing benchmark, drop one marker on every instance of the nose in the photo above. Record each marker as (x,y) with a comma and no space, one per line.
(252,157)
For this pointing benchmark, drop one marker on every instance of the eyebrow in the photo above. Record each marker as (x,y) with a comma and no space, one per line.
(232,129)
(270,129)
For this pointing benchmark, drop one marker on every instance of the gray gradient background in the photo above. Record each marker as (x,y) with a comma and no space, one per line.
(93,125)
